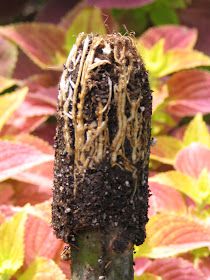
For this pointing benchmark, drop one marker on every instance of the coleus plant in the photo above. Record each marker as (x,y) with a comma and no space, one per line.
(178,233)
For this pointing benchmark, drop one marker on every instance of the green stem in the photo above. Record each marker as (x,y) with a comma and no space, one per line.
(95,259)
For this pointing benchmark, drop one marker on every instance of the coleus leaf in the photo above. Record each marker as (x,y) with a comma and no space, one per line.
(5,83)
(37,194)
(166,149)
(160,93)
(197,131)
(169,234)
(43,268)
(181,59)
(174,269)
(34,110)
(204,266)
(175,37)
(18,123)
(17,157)
(164,198)
(148,276)
(41,174)
(42,42)
(193,159)
(178,181)
(12,245)
(160,63)
(189,92)
(88,19)
(119,4)
(6,193)
(196,188)
(9,103)
(45,209)
(8,57)
(40,240)
(140,265)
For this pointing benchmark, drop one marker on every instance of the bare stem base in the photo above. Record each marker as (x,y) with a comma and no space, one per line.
(95,260)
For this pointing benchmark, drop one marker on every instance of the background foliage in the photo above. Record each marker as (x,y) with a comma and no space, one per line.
(34,42)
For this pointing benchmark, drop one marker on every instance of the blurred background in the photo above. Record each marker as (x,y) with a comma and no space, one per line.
(173,39)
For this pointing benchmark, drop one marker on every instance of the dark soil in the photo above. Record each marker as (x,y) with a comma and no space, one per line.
(108,197)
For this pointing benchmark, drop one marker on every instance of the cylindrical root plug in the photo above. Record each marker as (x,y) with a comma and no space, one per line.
(102,147)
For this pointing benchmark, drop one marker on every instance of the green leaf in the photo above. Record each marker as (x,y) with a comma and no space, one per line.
(43,268)
(163,14)
(178,4)
(9,103)
(12,245)
(88,20)
(197,131)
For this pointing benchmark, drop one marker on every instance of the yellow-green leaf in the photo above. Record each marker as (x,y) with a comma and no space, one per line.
(43,268)
(12,245)
(166,149)
(197,131)
(154,58)
(88,20)
(180,182)
(5,83)
(203,185)
(169,234)
(160,63)
(9,103)
(180,59)
(147,276)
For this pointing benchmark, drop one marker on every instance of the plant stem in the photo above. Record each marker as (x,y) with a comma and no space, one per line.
(95,260)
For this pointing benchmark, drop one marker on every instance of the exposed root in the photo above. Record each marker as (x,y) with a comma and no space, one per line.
(92,140)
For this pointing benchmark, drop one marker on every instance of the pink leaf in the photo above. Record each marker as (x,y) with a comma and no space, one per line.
(176,37)
(204,266)
(189,93)
(17,157)
(46,132)
(6,193)
(21,124)
(36,142)
(40,240)
(8,210)
(141,264)
(193,159)
(166,199)
(41,174)
(65,267)
(43,43)
(174,269)
(30,193)
(119,4)
(39,103)
(8,57)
